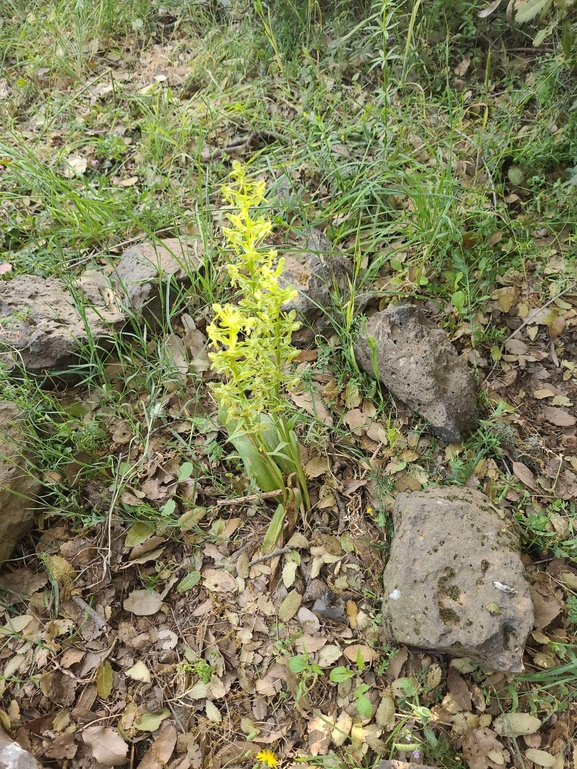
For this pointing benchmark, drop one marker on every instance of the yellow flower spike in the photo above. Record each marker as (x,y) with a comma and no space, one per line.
(268,758)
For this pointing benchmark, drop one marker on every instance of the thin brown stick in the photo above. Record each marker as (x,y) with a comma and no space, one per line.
(536,312)
(100,623)
(274,554)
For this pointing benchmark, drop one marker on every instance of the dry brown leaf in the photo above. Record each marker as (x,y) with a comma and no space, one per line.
(313,405)
(159,753)
(506,297)
(463,66)
(487,11)
(289,573)
(458,690)
(310,622)
(22,583)
(516,346)
(316,466)
(559,417)
(63,746)
(385,715)
(218,581)
(75,166)
(196,343)
(309,643)
(143,603)
(290,606)
(108,747)
(139,672)
(357,421)
(543,392)
(547,607)
(540,757)
(396,663)
(482,749)
(569,578)
(342,728)
(524,475)
(320,728)
(366,653)
(352,613)
(122,433)
(516,724)
(328,655)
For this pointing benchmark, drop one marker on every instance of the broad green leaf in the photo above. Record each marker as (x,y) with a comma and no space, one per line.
(104,679)
(191,518)
(139,672)
(515,175)
(149,722)
(430,736)
(138,533)
(186,583)
(364,706)
(458,300)
(185,471)
(298,663)
(529,9)
(168,508)
(543,34)
(340,674)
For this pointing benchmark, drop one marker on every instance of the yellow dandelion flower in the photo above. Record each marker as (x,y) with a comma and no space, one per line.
(268,758)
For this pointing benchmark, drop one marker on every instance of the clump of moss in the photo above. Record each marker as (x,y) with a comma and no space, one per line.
(449,616)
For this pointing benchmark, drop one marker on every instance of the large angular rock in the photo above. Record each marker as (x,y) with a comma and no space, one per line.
(42,327)
(454,581)
(319,274)
(142,269)
(12,756)
(420,366)
(18,487)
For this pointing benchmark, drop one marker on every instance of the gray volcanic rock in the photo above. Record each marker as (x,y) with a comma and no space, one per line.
(420,366)
(18,487)
(12,756)
(318,272)
(454,581)
(142,269)
(42,327)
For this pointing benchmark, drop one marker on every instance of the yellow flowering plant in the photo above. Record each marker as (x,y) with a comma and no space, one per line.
(253,352)
(267,758)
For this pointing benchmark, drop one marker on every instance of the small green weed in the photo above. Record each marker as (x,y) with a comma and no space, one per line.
(306,671)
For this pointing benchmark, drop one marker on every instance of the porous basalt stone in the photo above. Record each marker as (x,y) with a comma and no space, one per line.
(420,366)
(454,581)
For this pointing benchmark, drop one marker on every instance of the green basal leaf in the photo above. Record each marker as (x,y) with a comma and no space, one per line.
(263,469)
(274,530)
